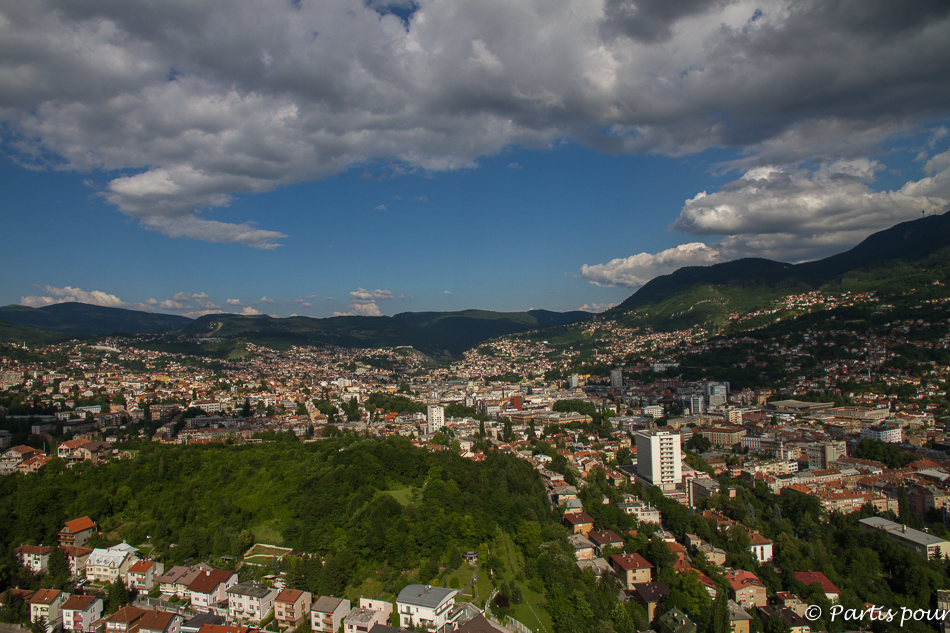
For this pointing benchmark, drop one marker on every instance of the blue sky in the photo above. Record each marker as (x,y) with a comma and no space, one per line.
(449,159)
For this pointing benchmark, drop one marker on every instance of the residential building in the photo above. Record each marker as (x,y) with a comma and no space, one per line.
(363,618)
(48,604)
(643,512)
(724,435)
(435,418)
(583,547)
(822,454)
(34,557)
(603,539)
(808,577)
(160,622)
(760,547)
(79,613)
(675,621)
(292,607)
(746,589)
(632,569)
(13,457)
(143,575)
(616,378)
(886,433)
(210,588)
(425,606)
(125,620)
(77,557)
(77,532)
(659,458)
(578,522)
(649,595)
(106,565)
(250,601)
(175,581)
(739,620)
(326,614)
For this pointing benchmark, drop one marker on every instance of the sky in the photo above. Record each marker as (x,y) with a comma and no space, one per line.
(325,157)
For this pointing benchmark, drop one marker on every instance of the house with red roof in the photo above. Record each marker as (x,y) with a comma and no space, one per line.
(143,575)
(746,589)
(77,532)
(292,607)
(605,538)
(48,604)
(808,577)
(33,557)
(160,622)
(77,559)
(578,522)
(125,620)
(632,569)
(210,588)
(760,547)
(79,612)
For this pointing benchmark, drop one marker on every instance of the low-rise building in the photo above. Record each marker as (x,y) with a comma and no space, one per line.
(48,604)
(77,532)
(326,614)
(33,557)
(250,601)
(424,605)
(632,569)
(79,613)
(292,607)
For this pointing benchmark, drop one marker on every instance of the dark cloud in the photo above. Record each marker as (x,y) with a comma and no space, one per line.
(651,20)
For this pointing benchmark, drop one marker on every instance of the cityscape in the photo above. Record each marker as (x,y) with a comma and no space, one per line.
(494,316)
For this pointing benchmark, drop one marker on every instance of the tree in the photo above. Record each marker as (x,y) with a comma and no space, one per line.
(58,566)
(246,409)
(719,619)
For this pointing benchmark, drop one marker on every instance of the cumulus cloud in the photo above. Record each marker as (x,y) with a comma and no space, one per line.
(264,300)
(203,102)
(597,308)
(381,207)
(68,294)
(372,295)
(787,214)
(249,311)
(447,292)
(361,308)
(234,302)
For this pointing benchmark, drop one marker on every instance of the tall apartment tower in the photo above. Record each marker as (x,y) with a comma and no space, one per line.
(435,419)
(659,458)
(616,378)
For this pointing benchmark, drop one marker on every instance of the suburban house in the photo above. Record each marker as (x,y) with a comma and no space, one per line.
(77,557)
(292,607)
(632,569)
(65,450)
(746,589)
(760,547)
(12,458)
(48,604)
(77,532)
(649,595)
(108,564)
(209,588)
(175,581)
(424,605)
(79,612)
(739,620)
(125,620)
(605,538)
(578,522)
(250,601)
(326,614)
(160,622)
(33,557)
(808,577)
(364,617)
(583,547)
(143,575)
(32,464)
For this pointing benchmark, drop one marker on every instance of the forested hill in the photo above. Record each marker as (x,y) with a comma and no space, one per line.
(704,295)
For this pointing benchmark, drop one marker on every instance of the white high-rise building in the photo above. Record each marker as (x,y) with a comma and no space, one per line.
(435,419)
(659,458)
(616,378)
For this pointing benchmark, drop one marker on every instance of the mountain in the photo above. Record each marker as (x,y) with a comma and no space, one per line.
(435,333)
(906,255)
(83,318)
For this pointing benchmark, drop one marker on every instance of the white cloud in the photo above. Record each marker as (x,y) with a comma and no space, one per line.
(68,294)
(234,302)
(329,299)
(361,308)
(381,207)
(597,308)
(787,214)
(447,292)
(249,311)
(372,295)
(636,270)
(202,102)
(265,300)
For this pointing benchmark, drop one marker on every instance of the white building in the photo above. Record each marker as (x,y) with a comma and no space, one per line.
(435,419)
(250,601)
(79,612)
(655,411)
(616,378)
(108,564)
(884,433)
(426,606)
(659,458)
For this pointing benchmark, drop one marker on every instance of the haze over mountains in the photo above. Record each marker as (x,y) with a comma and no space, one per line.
(907,255)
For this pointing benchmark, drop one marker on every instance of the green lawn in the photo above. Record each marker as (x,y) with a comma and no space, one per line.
(402,495)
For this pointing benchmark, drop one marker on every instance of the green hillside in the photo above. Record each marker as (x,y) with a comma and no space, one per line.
(910,255)
(83,318)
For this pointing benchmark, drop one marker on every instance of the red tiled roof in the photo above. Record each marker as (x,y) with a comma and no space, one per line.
(141,567)
(288,596)
(630,561)
(78,525)
(34,549)
(78,603)
(808,577)
(45,596)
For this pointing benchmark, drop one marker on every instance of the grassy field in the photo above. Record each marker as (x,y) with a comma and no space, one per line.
(529,612)
(402,495)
